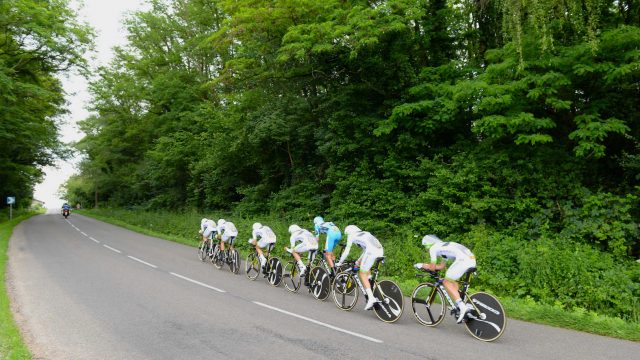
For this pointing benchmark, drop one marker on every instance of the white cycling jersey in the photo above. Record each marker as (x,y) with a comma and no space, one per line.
(464,258)
(307,241)
(264,236)
(450,250)
(210,229)
(228,228)
(371,245)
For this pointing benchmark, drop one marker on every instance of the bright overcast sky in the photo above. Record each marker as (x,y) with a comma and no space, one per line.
(105,16)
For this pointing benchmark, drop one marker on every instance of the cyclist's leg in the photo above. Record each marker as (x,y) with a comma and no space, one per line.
(259,246)
(455,272)
(333,237)
(300,248)
(367,261)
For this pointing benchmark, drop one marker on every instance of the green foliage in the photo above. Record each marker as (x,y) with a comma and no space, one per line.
(39,41)
(510,125)
(11,343)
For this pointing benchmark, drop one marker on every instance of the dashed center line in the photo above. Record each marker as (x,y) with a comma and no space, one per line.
(319,323)
(197,282)
(142,261)
(96,241)
(83,233)
(112,249)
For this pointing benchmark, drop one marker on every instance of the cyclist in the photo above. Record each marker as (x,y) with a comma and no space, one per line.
(227,232)
(464,260)
(372,249)
(307,241)
(266,236)
(208,230)
(203,225)
(333,238)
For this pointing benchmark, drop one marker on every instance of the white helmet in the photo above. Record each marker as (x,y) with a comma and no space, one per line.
(429,240)
(351,229)
(294,228)
(211,223)
(318,220)
(221,222)
(256,226)
(203,221)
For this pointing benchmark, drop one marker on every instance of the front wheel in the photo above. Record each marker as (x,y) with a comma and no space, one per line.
(319,283)
(345,291)
(428,304)
(291,277)
(234,263)
(252,266)
(391,304)
(274,274)
(202,251)
(487,320)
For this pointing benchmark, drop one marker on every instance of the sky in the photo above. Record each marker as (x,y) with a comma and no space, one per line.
(106,18)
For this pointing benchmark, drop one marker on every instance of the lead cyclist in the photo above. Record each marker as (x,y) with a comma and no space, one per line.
(464,260)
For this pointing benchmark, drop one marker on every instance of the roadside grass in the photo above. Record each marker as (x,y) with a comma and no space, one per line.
(183,228)
(12,346)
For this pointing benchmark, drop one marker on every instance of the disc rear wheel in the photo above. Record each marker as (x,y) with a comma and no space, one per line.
(320,283)
(274,274)
(391,304)
(487,320)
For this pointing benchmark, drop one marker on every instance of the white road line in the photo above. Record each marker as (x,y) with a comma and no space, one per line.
(319,323)
(197,282)
(97,242)
(112,249)
(83,233)
(142,262)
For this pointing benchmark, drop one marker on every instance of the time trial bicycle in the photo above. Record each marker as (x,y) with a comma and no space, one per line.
(316,279)
(430,301)
(345,293)
(272,269)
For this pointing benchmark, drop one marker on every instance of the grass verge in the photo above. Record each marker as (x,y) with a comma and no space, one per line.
(183,228)
(12,346)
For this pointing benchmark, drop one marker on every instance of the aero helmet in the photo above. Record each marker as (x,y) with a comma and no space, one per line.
(294,228)
(203,221)
(221,222)
(429,240)
(256,226)
(349,230)
(318,220)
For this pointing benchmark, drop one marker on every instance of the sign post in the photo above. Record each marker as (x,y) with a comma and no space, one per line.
(10,201)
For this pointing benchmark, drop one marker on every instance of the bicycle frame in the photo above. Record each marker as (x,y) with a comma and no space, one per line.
(462,291)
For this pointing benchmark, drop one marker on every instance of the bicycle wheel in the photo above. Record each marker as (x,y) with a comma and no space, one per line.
(274,274)
(320,283)
(391,304)
(202,251)
(252,266)
(234,264)
(487,320)
(345,291)
(217,257)
(291,277)
(428,304)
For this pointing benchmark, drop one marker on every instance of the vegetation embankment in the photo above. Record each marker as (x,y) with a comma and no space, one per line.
(580,266)
(12,346)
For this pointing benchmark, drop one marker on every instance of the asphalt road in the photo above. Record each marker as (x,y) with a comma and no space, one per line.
(84,289)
